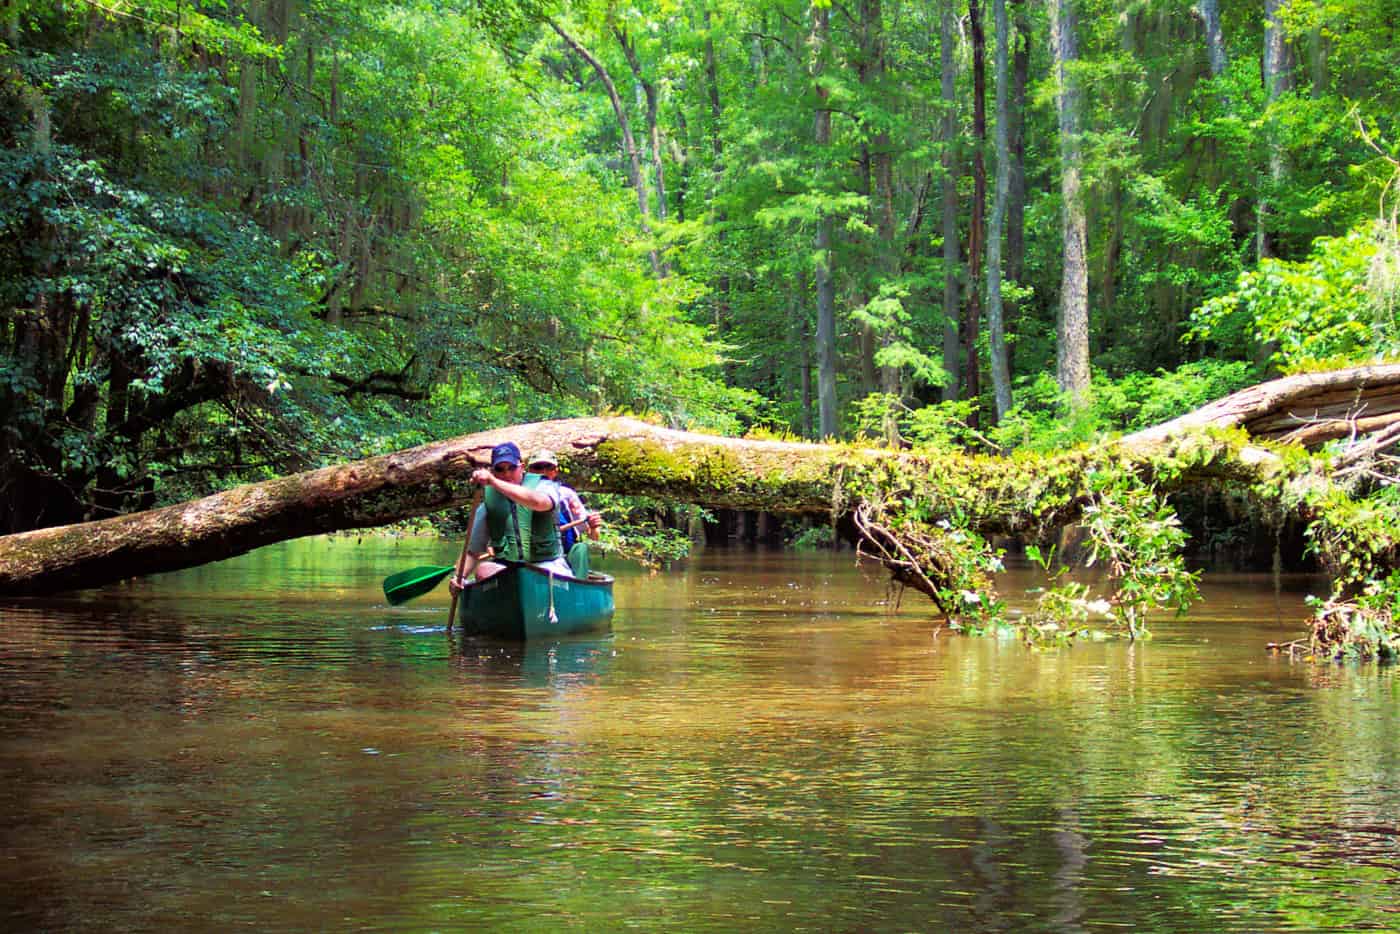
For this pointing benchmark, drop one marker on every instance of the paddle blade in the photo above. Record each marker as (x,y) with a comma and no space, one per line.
(405,585)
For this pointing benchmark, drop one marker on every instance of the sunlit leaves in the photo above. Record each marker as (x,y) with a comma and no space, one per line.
(1316,312)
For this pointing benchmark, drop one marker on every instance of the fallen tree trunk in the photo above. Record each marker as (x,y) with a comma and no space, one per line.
(619,455)
(1307,408)
(630,456)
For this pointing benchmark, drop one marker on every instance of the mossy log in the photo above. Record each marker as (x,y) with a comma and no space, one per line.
(1013,495)
(621,455)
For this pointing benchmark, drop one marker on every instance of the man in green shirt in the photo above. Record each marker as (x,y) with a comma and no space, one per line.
(516,520)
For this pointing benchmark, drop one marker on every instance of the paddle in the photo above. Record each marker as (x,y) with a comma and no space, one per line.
(408,585)
(461,571)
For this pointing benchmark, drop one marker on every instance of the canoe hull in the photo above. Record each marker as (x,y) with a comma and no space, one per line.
(516,604)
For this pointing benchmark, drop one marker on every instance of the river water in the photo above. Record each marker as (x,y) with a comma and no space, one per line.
(764,742)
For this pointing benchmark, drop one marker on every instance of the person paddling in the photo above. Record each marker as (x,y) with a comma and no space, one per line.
(516,519)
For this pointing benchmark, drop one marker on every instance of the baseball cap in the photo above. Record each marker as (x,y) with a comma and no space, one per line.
(544,456)
(506,453)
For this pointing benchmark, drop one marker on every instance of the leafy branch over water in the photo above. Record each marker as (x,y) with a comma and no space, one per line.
(927,534)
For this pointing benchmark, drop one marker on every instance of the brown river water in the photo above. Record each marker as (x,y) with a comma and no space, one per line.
(764,742)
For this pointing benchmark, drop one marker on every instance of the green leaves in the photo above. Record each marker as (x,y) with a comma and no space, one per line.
(1137,536)
(1319,312)
(1355,538)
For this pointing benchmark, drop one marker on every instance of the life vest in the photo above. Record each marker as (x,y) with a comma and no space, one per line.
(567,537)
(518,533)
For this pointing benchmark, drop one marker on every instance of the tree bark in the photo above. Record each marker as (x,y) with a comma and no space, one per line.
(622,455)
(10,15)
(247,97)
(948,134)
(976,243)
(1276,68)
(869,379)
(1307,408)
(1215,38)
(41,121)
(826,287)
(799,306)
(1001,369)
(1072,358)
(629,50)
(598,455)
(629,143)
(722,286)
(1016,198)
(882,168)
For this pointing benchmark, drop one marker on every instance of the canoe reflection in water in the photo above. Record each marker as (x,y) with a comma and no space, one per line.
(541,663)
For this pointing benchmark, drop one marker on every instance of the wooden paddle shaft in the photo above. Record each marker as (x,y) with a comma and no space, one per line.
(462,562)
(577,522)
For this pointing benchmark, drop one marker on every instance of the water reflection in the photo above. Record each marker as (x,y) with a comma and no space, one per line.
(559,664)
(763,742)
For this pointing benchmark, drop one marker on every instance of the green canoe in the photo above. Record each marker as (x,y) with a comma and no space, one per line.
(525,602)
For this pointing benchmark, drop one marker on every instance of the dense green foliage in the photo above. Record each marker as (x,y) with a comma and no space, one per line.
(245,238)
(1329,309)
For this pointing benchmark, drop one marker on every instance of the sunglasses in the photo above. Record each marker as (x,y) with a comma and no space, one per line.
(501,469)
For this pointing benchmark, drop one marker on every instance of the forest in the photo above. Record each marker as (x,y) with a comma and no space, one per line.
(246,239)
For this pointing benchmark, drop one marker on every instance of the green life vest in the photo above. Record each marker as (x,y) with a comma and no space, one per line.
(518,533)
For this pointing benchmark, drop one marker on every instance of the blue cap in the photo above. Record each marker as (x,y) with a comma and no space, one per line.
(506,453)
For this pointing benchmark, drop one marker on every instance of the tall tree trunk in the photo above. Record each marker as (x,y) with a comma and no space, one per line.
(302,215)
(1318,47)
(1215,38)
(629,50)
(35,484)
(282,14)
(680,154)
(10,13)
(806,364)
(878,165)
(721,300)
(869,379)
(882,166)
(40,119)
(1277,76)
(826,287)
(629,143)
(247,98)
(951,266)
(1072,358)
(1016,192)
(1112,247)
(1001,369)
(333,111)
(976,241)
